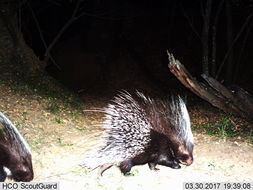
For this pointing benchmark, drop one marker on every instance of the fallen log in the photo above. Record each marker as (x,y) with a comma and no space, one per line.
(233,100)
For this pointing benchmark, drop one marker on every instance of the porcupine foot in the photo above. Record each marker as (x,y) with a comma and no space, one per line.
(174,165)
(164,161)
(152,166)
(170,163)
(125,167)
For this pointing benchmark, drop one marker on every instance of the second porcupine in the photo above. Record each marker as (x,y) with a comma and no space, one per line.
(15,154)
(140,130)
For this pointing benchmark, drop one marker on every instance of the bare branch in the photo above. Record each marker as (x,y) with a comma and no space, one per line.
(55,3)
(38,26)
(103,17)
(233,43)
(41,35)
(62,30)
(242,50)
(190,22)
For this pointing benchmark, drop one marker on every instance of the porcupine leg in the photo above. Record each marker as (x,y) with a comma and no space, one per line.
(2,174)
(103,168)
(164,161)
(172,164)
(152,166)
(168,161)
(125,167)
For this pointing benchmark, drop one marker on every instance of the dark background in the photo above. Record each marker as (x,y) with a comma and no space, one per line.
(119,42)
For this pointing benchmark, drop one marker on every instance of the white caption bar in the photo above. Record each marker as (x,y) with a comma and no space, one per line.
(218,186)
(29,186)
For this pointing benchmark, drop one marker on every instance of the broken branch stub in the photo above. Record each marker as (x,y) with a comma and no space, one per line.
(236,101)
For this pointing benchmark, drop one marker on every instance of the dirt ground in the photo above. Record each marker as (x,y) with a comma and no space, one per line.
(60,141)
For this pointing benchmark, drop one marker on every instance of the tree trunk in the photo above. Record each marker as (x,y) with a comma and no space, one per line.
(214,50)
(229,68)
(205,36)
(20,51)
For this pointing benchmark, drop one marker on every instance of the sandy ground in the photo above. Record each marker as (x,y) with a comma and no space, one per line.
(215,161)
(59,148)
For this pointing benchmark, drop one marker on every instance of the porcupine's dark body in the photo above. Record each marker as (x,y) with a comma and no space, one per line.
(140,130)
(158,153)
(15,155)
(2,174)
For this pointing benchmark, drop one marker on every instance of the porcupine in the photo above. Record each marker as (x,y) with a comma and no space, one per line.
(15,154)
(140,130)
